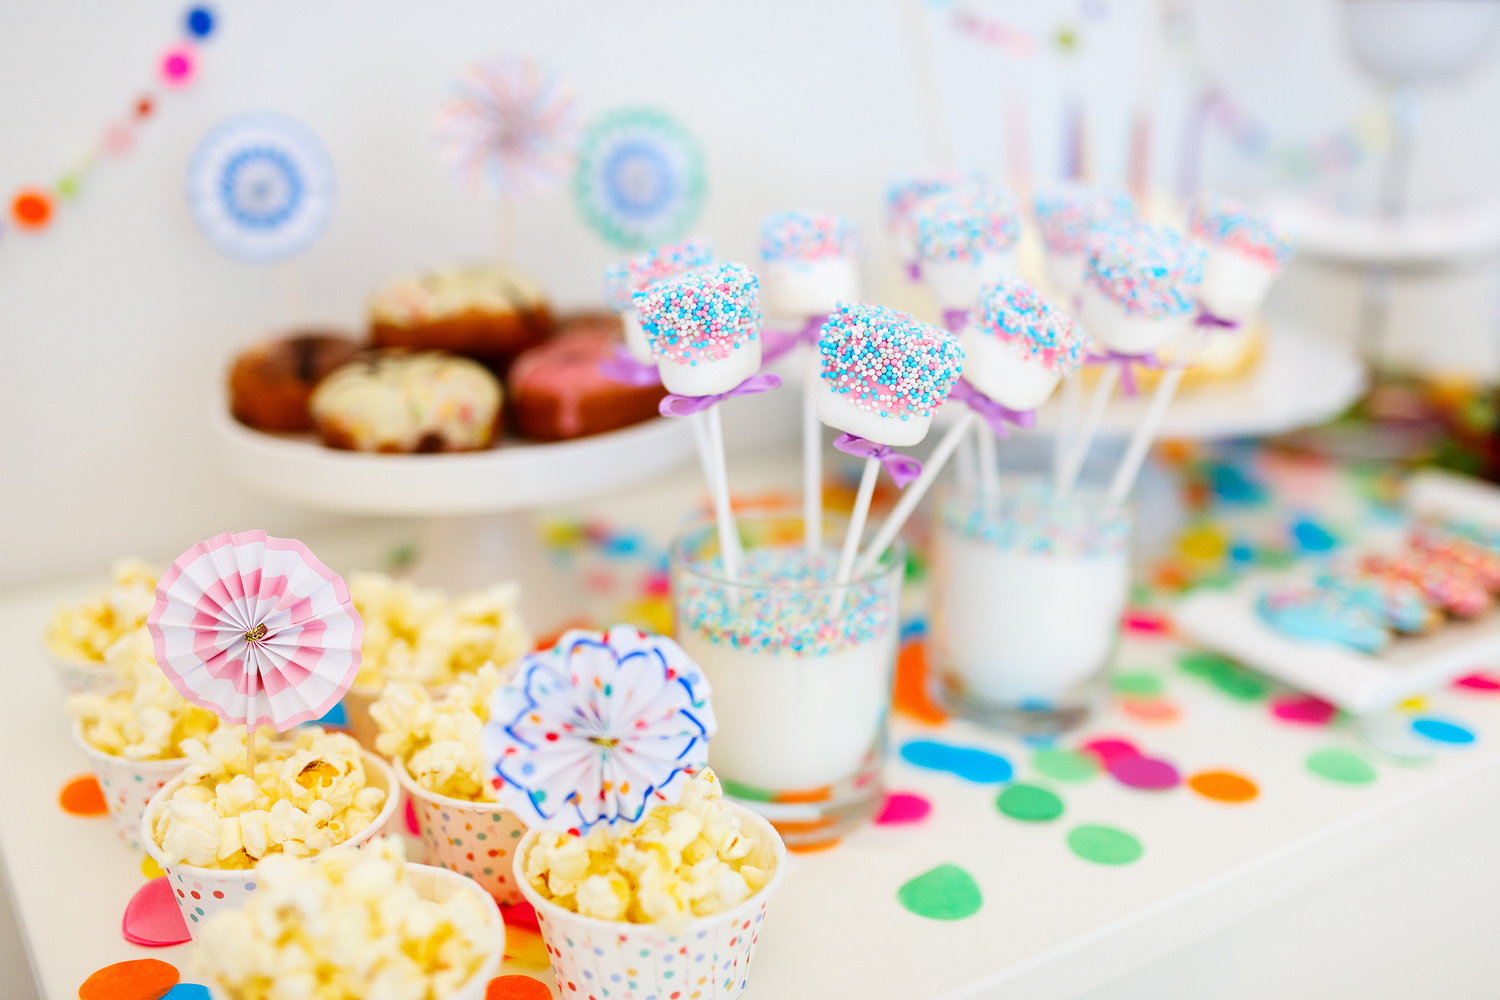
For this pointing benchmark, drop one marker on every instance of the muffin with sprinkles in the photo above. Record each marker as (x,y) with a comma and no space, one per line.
(808,263)
(703,327)
(634,274)
(966,239)
(1140,287)
(884,374)
(1245,252)
(1017,347)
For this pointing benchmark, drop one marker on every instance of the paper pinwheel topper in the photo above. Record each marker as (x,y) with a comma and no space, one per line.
(598,729)
(256,630)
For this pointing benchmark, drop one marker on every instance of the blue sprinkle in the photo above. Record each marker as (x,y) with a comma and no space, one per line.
(969,763)
(1442,731)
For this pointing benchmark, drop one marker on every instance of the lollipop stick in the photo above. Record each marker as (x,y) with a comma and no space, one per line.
(989,466)
(705,456)
(857,520)
(966,463)
(1067,418)
(912,495)
(250,723)
(1067,476)
(728,534)
(812,463)
(1140,441)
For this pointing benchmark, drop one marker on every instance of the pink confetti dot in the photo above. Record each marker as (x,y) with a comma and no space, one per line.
(1109,749)
(1304,709)
(1478,682)
(178,66)
(1146,622)
(1144,772)
(119,139)
(413,827)
(903,807)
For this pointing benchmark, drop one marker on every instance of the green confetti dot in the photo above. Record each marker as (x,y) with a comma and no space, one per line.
(1029,804)
(1104,845)
(1226,675)
(1065,765)
(1342,766)
(1138,683)
(748,793)
(947,892)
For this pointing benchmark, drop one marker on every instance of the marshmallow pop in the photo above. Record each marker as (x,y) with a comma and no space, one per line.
(808,264)
(1244,253)
(1140,287)
(642,271)
(903,196)
(966,239)
(884,374)
(1017,347)
(704,328)
(1068,217)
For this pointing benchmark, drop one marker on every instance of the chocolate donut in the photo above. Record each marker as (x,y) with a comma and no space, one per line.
(270,384)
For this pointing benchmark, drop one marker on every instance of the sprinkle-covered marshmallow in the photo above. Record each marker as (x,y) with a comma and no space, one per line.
(1069,216)
(966,224)
(1011,311)
(804,236)
(634,274)
(1222,221)
(1148,271)
(703,315)
(886,363)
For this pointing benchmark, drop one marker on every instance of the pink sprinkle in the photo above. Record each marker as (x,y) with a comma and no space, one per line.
(1109,749)
(412,826)
(1144,772)
(1478,682)
(1145,621)
(903,807)
(1305,709)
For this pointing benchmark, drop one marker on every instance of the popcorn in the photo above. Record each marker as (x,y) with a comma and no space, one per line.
(683,861)
(438,739)
(84,631)
(142,717)
(420,635)
(303,799)
(345,924)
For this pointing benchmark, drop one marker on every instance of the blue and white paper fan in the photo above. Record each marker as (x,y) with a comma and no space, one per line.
(261,187)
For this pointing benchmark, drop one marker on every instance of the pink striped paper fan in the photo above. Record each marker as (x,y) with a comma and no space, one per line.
(256,630)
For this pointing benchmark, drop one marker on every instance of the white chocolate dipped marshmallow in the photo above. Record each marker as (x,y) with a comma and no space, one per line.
(1141,286)
(809,264)
(642,271)
(966,239)
(1068,217)
(1245,251)
(1017,347)
(704,328)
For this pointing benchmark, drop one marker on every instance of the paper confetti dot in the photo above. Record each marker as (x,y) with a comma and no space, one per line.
(1156,711)
(521,914)
(1229,677)
(1223,786)
(1390,734)
(1108,748)
(903,807)
(1146,773)
(142,979)
(31,209)
(1065,765)
(413,825)
(1442,731)
(947,892)
(1139,683)
(910,697)
(516,988)
(1478,682)
(178,65)
(1310,536)
(82,796)
(1104,845)
(1146,622)
(1029,803)
(152,918)
(969,763)
(150,868)
(1304,709)
(1342,766)
(200,22)
(188,991)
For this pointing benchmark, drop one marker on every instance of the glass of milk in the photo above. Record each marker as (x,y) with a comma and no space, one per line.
(801,671)
(1027,597)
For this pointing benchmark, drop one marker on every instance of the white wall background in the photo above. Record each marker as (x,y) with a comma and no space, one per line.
(116,321)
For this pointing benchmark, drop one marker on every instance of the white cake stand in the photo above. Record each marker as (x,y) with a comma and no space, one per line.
(477,506)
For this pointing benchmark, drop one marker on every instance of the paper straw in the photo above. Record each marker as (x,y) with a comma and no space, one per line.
(857,520)
(1067,477)
(914,492)
(812,460)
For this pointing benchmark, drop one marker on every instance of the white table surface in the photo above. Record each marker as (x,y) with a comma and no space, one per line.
(1051,925)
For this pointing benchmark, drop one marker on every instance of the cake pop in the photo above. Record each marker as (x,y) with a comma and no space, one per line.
(966,239)
(1068,217)
(704,328)
(1140,287)
(637,273)
(1244,253)
(1017,347)
(808,264)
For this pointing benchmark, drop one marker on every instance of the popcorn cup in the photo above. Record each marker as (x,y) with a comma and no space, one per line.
(80,675)
(357,702)
(475,839)
(127,784)
(203,892)
(707,958)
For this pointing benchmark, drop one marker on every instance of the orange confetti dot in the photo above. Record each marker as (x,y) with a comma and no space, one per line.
(1223,786)
(516,988)
(910,697)
(32,208)
(83,797)
(1158,711)
(143,979)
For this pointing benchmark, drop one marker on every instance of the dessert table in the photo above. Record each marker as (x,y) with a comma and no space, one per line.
(1020,905)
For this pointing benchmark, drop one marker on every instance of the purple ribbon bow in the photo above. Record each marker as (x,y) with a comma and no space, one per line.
(1206,318)
(775,343)
(684,406)
(903,468)
(622,367)
(1127,377)
(914,271)
(954,319)
(997,415)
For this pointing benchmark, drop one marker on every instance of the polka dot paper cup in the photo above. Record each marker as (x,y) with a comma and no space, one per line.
(203,892)
(80,675)
(357,702)
(704,959)
(127,784)
(476,839)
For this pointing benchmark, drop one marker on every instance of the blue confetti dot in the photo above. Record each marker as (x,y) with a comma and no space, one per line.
(200,22)
(1442,731)
(1234,487)
(969,763)
(187,991)
(336,716)
(1241,553)
(1310,536)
